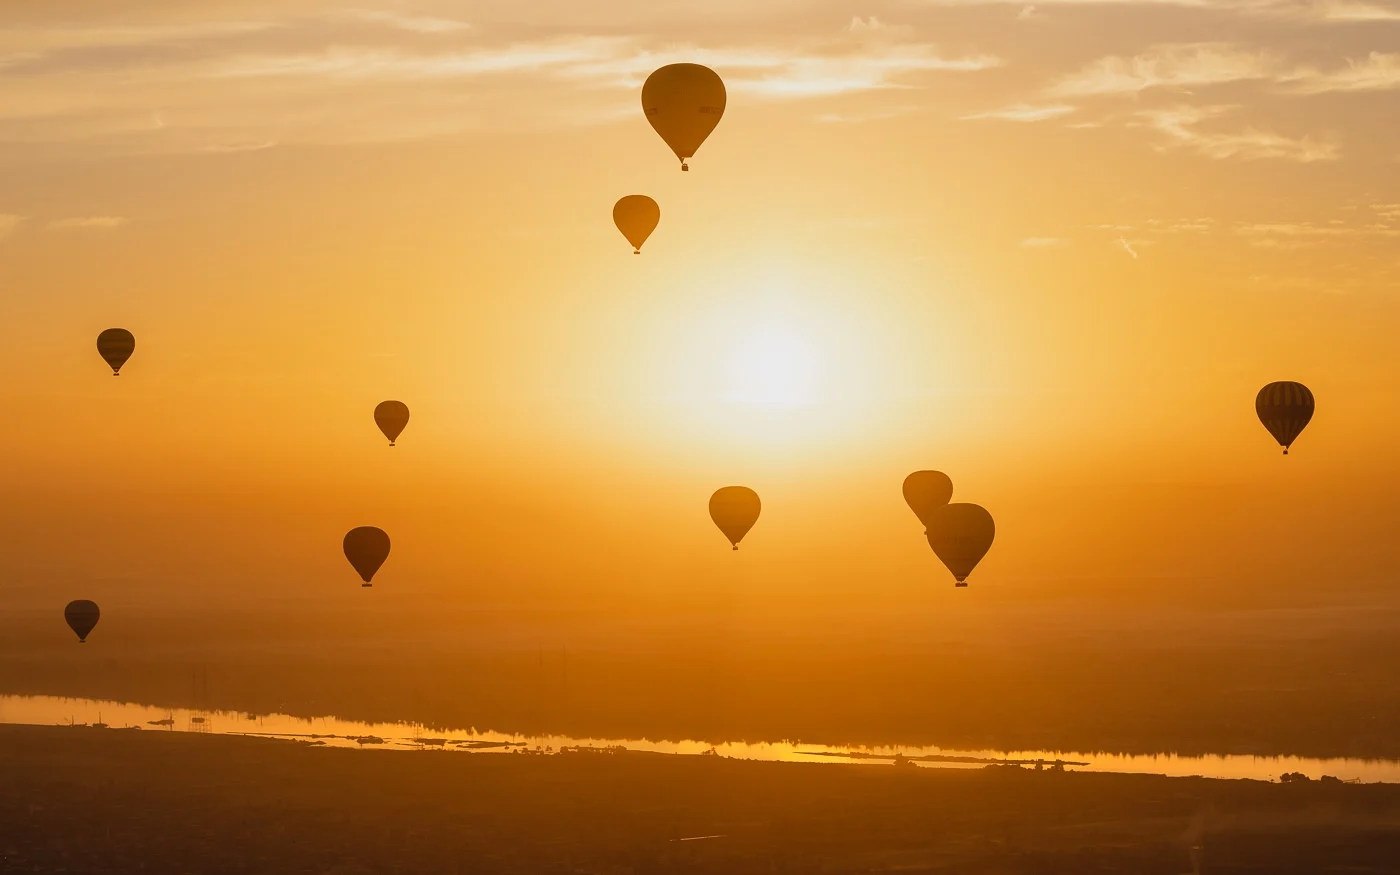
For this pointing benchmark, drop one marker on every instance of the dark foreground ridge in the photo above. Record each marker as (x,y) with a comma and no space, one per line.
(90,800)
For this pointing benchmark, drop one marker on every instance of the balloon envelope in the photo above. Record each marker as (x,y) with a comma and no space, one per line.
(116,345)
(391,417)
(636,216)
(734,509)
(683,102)
(927,491)
(1285,409)
(81,616)
(366,547)
(960,534)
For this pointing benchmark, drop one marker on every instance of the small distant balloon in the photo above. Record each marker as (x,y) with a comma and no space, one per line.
(734,509)
(81,616)
(116,345)
(391,417)
(1285,408)
(684,103)
(366,547)
(925,492)
(636,216)
(960,535)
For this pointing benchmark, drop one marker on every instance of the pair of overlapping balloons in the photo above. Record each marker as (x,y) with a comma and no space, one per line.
(960,534)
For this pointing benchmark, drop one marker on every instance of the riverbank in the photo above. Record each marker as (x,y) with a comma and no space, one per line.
(334,732)
(92,800)
(1281,695)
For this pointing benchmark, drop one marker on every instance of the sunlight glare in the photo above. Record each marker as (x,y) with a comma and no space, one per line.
(774,365)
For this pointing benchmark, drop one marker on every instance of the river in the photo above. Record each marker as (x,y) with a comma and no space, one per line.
(334,732)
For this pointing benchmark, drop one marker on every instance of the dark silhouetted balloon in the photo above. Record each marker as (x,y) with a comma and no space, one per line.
(636,216)
(961,534)
(116,345)
(734,509)
(683,102)
(391,417)
(81,616)
(366,547)
(1285,409)
(925,492)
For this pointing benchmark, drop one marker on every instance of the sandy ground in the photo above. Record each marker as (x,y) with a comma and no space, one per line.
(91,800)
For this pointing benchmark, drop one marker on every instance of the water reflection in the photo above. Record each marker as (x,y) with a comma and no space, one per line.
(333,732)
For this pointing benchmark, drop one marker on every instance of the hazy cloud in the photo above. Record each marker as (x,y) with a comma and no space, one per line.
(1302,230)
(9,223)
(1043,242)
(1023,112)
(357,76)
(89,222)
(1379,71)
(1302,11)
(416,24)
(1170,66)
(874,27)
(1181,125)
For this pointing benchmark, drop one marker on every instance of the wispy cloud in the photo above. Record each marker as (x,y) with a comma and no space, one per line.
(1023,112)
(359,76)
(249,146)
(1302,11)
(23,43)
(1293,235)
(9,224)
(1202,65)
(1124,244)
(386,64)
(1168,66)
(814,70)
(1339,11)
(816,75)
(415,24)
(88,222)
(851,118)
(1379,71)
(1181,125)
(874,27)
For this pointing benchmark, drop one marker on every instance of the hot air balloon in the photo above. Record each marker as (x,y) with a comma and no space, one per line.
(1285,409)
(734,509)
(391,417)
(960,534)
(683,102)
(925,492)
(366,547)
(116,345)
(81,616)
(636,216)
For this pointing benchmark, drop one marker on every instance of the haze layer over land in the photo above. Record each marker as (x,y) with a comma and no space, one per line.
(1052,250)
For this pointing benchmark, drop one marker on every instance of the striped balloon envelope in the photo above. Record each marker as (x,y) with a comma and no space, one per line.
(1285,408)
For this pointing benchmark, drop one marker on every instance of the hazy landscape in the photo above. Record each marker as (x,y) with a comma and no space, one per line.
(1209,685)
(700,437)
(84,800)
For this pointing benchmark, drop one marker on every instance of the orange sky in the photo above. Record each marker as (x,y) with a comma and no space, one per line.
(1052,250)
